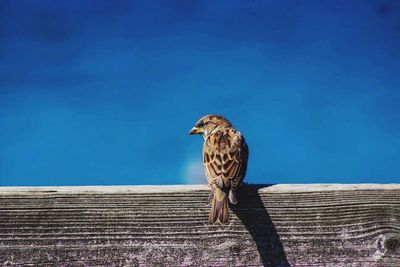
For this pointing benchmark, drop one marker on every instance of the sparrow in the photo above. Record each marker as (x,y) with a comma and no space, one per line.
(225,155)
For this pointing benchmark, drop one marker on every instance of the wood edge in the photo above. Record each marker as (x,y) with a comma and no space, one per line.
(144,189)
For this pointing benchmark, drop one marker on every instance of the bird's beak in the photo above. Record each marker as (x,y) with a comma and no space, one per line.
(195,130)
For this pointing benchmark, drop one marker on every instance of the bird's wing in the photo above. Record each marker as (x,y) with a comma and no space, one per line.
(243,155)
(225,158)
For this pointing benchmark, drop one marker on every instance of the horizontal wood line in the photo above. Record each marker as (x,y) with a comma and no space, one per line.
(130,235)
(191,195)
(128,238)
(184,189)
(134,208)
(312,241)
(132,246)
(157,213)
(170,223)
(341,239)
(158,220)
(299,218)
(193,202)
(104,209)
(199,204)
(361,262)
(201,201)
(116,212)
(311,237)
(298,225)
(230,230)
(188,234)
(188,196)
(100,263)
(298,203)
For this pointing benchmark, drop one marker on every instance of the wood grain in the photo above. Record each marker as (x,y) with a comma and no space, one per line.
(281,225)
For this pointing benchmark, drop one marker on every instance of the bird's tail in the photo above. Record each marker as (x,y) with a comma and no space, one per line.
(219,212)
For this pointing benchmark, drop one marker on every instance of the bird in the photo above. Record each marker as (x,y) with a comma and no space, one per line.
(225,155)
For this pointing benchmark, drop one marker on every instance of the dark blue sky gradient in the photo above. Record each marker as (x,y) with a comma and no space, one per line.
(105,92)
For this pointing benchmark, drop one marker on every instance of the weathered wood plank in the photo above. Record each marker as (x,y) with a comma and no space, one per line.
(280,225)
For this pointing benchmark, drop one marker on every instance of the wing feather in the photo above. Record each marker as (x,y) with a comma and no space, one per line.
(225,157)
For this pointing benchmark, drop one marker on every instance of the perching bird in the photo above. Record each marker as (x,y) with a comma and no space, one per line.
(225,155)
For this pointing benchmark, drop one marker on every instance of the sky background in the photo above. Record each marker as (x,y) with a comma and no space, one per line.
(105,92)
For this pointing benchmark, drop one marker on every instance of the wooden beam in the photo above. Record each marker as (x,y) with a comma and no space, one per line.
(279,225)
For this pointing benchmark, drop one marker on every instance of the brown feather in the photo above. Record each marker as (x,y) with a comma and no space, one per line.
(219,212)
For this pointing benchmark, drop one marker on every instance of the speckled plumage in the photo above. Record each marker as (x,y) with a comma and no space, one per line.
(225,155)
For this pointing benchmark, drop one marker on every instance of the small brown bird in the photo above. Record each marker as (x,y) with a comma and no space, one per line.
(225,155)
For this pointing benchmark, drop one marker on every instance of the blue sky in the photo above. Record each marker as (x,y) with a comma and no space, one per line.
(105,92)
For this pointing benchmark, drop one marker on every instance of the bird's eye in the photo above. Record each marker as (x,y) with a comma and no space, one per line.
(201,124)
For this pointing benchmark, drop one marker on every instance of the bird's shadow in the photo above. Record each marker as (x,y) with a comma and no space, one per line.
(251,211)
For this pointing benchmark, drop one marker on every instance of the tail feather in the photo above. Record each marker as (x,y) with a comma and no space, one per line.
(219,212)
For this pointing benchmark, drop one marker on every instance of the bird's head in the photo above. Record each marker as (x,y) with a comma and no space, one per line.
(209,124)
